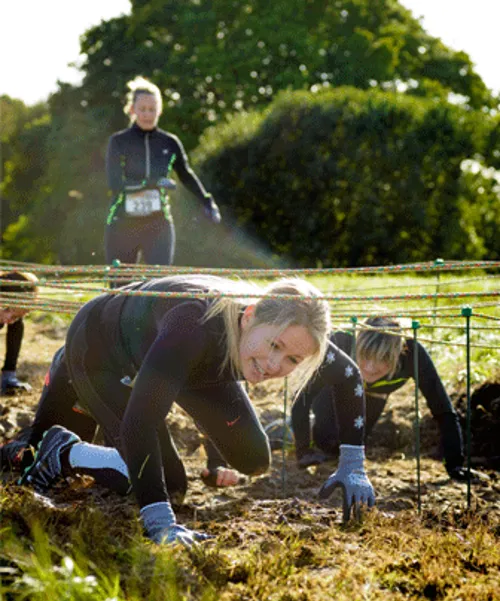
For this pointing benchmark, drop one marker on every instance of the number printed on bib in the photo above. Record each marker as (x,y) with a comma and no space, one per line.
(143,203)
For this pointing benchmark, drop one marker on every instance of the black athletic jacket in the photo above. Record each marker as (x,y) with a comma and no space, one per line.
(341,375)
(137,159)
(376,394)
(164,346)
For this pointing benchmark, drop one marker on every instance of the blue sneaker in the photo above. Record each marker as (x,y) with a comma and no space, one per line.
(47,468)
(11,385)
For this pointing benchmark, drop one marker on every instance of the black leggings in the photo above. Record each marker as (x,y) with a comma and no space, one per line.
(59,404)
(222,411)
(154,235)
(13,340)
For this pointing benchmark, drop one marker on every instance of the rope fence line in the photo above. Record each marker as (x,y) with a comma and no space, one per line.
(340,313)
(354,298)
(485,278)
(430,326)
(73,306)
(401,334)
(488,317)
(410,313)
(62,308)
(20,300)
(124,270)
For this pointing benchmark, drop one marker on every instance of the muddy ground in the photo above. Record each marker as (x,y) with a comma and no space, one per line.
(279,494)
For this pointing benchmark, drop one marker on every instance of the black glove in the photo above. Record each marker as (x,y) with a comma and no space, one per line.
(167,183)
(459,473)
(212,210)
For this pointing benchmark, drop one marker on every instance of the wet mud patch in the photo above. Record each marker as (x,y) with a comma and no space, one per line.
(287,494)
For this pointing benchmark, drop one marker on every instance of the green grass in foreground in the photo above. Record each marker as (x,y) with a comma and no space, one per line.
(289,550)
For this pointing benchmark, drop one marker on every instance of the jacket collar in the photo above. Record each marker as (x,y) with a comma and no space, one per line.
(141,132)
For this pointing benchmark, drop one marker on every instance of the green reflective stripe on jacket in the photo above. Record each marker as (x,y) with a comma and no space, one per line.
(164,196)
(121,196)
(387,383)
(171,164)
(165,204)
(114,207)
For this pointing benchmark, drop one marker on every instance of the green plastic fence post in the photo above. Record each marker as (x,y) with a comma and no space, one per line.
(107,269)
(467,312)
(285,432)
(437,263)
(415,325)
(354,321)
(112,281)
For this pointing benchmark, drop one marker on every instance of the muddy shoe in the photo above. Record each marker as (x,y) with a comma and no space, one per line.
(11,385)
(46,468)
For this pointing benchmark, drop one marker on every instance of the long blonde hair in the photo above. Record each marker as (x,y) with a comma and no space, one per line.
(383,347)
(308,309)
(137,86)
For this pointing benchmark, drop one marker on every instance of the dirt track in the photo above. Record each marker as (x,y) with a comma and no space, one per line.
(281,494)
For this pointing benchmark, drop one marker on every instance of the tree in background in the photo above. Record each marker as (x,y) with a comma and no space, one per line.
(351,177)
(216,60)
(212,57)
(24,131)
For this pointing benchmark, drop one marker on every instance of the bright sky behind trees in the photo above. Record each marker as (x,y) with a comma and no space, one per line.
(38,40)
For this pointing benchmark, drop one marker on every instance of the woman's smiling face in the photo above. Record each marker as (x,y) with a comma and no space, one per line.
(372,370)
(269,351)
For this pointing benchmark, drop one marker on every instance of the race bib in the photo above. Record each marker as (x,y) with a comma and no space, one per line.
(143,203)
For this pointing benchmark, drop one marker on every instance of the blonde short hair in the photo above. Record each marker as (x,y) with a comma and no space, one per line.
(140,85)
(383,347)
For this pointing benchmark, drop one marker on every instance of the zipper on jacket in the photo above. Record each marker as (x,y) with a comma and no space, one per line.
(148,156)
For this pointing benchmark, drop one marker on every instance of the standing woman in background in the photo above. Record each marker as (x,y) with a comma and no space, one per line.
(139,162)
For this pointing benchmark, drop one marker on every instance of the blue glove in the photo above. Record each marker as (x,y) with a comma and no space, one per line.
(166,182)
(162,528)
(212,210)
(352,479)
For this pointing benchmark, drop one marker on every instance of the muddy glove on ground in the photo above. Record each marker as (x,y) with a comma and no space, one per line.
(351,478)
(162,528)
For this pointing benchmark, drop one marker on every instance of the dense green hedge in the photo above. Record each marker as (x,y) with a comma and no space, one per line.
(352,177)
